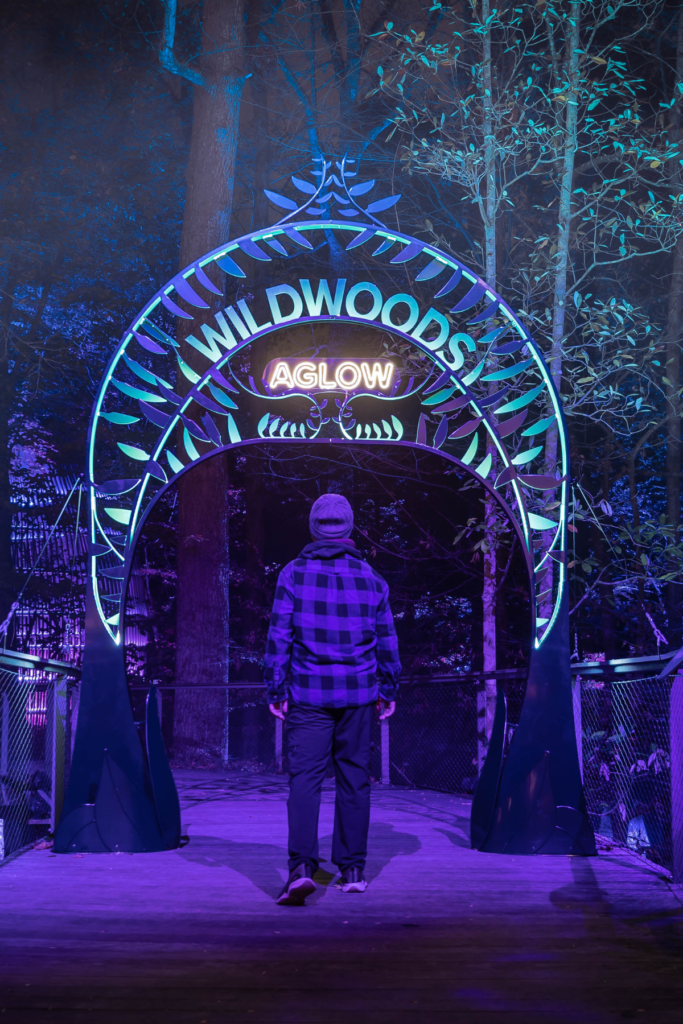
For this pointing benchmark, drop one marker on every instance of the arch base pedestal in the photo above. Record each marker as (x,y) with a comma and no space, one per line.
(532,801)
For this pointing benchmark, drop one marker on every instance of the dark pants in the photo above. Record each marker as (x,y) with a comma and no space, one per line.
(313,734)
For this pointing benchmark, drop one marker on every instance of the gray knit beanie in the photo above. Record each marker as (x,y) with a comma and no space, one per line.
(331,518)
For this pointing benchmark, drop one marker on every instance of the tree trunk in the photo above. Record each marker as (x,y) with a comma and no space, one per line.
(8,576)
(202,634)
(487,696)
(561,259)
(672,378)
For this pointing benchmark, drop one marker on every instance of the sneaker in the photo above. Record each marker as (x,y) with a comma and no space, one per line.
(299,885)
(352,880)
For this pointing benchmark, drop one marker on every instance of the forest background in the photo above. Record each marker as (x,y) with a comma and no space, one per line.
(538,142)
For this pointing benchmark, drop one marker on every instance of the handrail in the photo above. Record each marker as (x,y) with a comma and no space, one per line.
(17,659)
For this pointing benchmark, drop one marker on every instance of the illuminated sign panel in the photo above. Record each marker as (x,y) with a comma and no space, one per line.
(319,375)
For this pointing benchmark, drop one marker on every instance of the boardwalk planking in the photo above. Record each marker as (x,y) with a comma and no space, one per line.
(443,934)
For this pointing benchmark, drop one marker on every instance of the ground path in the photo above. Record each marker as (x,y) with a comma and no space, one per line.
(443,934)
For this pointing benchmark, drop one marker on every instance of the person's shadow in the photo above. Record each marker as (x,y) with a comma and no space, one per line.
(265,864)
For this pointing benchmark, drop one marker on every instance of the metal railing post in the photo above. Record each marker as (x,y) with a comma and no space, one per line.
(4,736)
(278,744)
(578,720)
(57,711)
(384,744)
(676,757)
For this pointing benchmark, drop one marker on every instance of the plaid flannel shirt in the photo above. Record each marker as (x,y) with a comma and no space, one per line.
(331,632)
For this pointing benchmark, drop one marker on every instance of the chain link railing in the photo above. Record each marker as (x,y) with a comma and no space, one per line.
(36,728)
(632,732)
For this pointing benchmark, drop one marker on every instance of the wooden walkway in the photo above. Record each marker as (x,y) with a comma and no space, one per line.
(443,934)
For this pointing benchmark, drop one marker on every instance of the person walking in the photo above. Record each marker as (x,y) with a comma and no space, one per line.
(331,657)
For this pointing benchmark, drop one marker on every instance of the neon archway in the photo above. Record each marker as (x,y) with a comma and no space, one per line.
(468,381)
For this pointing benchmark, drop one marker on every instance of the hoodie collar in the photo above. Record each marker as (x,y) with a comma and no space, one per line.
(330,549)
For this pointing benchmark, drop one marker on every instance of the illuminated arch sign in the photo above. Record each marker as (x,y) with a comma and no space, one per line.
(401,344)
(443,362)
(318,376)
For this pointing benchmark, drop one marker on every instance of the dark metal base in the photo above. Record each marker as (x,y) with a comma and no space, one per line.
(117,799)
(533,801)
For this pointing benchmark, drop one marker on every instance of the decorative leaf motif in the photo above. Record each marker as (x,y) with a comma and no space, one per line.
(538,427)
(457,403)
(438,383)
(277,246)
(187,292)
(450,284)
(206,281)
(282,201)
(303,186)
(537,522)
(484,468)
(254,250)
(274,425)
(157,471)
(508,348)
(488,313)
(471,298)
(382,204)
(115,487)
(440,396)
(133,452)
(193,428)
(141,372)
(132,392)
(173,308)
(471,451)
(386,244)
(483,403)
(223,381)
(362,188)
(441,432)
(189,445)
(398,427)
(175,463)
(514,423)
(504,477)
(169,395)
(150,346)
(120,418)
(524,457)
(432,269)
(466,428)
(471,377)
(519,403)
(120,515)
(540,483)
(221,397)
(421,436)
(233,432)
(361,237)
(386,428)
(157,333)
(411,250)
(187,370)
(262,424)
(155,416)
(510,371)
(207,403)
(227,264)
(297,237)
